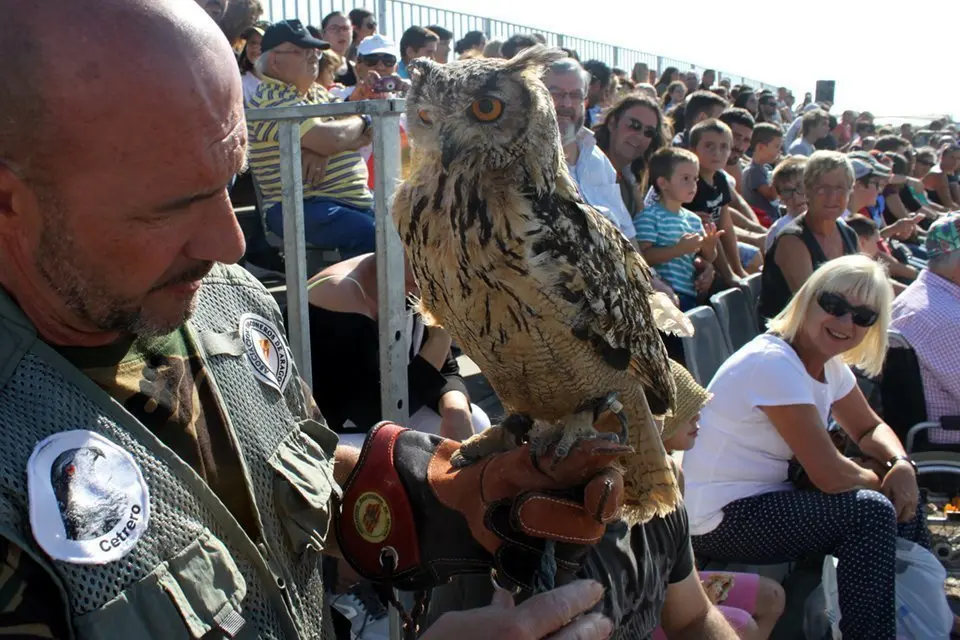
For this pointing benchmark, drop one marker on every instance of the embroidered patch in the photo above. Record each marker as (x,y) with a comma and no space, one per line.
(371,516)
(266,350)
(89,503)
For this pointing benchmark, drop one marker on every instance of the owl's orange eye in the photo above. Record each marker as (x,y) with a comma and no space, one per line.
(487,109)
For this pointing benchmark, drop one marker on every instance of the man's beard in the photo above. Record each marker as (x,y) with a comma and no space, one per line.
(83,292)
(569,129)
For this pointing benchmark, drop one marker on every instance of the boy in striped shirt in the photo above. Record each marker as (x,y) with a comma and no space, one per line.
(672,238)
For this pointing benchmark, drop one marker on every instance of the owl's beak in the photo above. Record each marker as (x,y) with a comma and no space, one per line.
(449,150)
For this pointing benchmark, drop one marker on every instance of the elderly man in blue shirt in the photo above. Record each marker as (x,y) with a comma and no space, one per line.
(589,166)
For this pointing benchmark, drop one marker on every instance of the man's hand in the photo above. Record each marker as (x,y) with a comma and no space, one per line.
(411,519)
(705,280)
(903,229)
(900,486)
(556,614)
(314,167)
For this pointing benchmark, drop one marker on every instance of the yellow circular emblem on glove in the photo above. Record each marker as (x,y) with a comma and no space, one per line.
(371,516)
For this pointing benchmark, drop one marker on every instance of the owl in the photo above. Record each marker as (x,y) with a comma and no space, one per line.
(546,295)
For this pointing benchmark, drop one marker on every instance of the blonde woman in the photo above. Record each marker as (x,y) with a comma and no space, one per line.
(767,419)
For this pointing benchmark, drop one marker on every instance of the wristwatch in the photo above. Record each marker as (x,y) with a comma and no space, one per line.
(367,122)
(895,459)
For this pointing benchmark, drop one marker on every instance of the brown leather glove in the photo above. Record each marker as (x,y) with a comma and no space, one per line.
(410,519)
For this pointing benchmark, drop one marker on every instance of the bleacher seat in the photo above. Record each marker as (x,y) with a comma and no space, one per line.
(751,287)
(736,318)
(706,350)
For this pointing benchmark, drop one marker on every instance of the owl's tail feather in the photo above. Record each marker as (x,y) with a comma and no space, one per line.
(668,317)
(650,484)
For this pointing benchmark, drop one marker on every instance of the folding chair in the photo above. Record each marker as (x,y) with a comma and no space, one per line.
(707,349)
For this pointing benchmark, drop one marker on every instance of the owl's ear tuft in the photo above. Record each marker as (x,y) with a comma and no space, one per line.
(421,68)
(537,58)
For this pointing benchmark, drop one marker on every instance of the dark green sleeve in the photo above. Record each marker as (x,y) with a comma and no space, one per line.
(30,602)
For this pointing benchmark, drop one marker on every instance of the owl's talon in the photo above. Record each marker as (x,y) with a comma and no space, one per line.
(459,461)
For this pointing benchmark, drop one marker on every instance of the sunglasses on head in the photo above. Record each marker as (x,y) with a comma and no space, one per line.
(373,59)
(647,131)
(838,306)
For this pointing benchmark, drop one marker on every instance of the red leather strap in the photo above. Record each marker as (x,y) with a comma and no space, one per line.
(376,519)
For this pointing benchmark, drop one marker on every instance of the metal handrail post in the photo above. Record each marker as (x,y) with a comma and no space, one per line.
(391,291)
(295,247)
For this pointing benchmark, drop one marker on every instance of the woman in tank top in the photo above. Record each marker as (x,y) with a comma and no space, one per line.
(813,238)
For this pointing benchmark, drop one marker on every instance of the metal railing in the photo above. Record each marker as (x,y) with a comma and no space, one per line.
(391,290)
(391,293)
(396,16)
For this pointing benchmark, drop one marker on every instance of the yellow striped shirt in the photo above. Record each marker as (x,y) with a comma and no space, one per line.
(346,177)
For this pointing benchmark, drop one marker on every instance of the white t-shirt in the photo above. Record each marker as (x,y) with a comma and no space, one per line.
(739,452)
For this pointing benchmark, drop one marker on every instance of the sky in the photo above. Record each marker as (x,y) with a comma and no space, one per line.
(893,59)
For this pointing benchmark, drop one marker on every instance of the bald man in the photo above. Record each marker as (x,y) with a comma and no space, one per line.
(146,385)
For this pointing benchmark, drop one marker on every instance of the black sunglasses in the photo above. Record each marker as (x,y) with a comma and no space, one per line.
(838,306)
(373,59)
(647,131)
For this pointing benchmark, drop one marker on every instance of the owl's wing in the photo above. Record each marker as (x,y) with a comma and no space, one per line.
(590,263)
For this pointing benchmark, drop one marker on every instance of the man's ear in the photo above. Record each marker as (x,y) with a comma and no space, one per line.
(16,198)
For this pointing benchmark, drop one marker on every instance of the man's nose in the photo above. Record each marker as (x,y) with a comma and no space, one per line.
(218,237)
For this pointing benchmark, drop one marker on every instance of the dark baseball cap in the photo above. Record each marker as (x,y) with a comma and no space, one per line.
(291,31)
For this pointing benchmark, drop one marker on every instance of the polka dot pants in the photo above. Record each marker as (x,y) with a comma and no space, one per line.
(858,527)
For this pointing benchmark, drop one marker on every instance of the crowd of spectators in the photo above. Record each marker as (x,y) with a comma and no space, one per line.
(849,221)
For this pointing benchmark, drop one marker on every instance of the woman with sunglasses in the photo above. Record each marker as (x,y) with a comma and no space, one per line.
(632,131)
(766,424)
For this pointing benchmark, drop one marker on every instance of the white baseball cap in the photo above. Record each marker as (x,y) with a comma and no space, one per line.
(377,44)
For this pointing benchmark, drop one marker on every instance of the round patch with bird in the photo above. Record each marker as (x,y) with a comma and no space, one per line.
(371,516)
(266,350)
(89,502)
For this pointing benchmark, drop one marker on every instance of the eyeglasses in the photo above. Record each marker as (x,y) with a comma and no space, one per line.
(838,306)
(303,53)
(370,25)
(559,95)
(373,59)
(646,130)
(791,193)
(827,190)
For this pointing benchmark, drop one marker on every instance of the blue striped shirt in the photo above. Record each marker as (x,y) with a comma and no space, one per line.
(663,228)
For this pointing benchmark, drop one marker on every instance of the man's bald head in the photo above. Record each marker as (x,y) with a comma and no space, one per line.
(70,64)
(120,128)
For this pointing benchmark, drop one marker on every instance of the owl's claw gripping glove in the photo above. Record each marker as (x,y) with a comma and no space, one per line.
(412,520)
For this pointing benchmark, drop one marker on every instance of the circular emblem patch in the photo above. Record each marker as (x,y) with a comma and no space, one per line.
(371,516)
(89,503)
(266,351)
